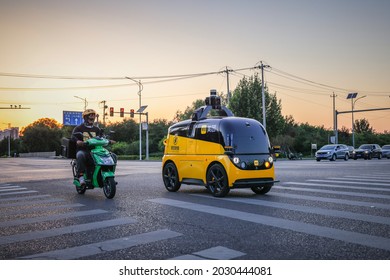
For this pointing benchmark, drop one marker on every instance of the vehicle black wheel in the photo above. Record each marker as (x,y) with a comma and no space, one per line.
(333,157)
(346,157)
(109,187)
(262,190)
(81,189)
(217,181)
(171,177)
(380,156)
(318,159)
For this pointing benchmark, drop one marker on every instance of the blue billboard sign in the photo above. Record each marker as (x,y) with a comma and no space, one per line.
(72,118)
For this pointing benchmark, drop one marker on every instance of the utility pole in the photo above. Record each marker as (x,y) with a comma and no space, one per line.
(228,90)
(334,119)
(262,92)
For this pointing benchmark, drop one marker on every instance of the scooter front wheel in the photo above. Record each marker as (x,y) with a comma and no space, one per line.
(109,187)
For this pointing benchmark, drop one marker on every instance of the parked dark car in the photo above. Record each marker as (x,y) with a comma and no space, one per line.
(332,152)
(386,151)
(351,149)
(368,151)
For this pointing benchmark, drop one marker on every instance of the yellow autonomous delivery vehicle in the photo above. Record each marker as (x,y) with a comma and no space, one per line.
(220,153)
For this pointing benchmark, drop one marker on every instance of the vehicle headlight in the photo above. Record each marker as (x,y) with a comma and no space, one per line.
(237,161)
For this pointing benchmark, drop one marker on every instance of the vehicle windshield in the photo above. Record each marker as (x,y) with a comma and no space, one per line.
(386,147)
(366,147)
(245,137)
(327,147)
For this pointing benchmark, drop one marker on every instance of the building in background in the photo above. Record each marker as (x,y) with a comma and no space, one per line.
(12,131)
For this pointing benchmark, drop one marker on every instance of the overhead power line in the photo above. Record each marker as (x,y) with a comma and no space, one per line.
(171,78)
(38,76)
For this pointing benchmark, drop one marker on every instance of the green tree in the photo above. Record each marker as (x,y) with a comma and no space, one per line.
(362,126)
(43,135)
(157,131)
(247,102)
(181,116)
(344,137)
(13,145)
(125,131)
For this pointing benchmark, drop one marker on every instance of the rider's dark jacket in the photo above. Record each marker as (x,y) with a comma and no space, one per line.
(83,132)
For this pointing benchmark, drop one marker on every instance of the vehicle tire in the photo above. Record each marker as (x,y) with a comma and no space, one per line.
(318,159)
(109,187)
(217,181)
(261,190)
(171,177)
(81,189)
(346,157)
(333,158)
(380,156)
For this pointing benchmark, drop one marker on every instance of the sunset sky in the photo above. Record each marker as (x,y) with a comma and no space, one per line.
(49,48)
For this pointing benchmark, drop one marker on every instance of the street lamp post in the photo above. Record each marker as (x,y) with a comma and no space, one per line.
(85,102)
(352,96)
(140,87)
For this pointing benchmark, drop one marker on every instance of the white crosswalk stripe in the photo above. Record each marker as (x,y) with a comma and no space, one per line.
(351,200)
(45,203)
(343,191)
(105,246)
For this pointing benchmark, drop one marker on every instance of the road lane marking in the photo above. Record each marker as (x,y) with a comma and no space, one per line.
(29,236)
(52,217)
(307,209)
(303,189)
(330,200)
(40,208)
(105,246)
(11,188)
(24,197)
(13,193)
(28,203)
(368,180)
(369,183)
(320,231)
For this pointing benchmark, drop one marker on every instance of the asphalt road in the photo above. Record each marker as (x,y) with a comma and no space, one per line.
(319,210)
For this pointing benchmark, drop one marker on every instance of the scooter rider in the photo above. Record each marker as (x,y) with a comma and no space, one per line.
(80,134)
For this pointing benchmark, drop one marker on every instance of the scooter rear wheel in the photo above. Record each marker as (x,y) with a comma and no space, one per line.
(81,189)
(109,187)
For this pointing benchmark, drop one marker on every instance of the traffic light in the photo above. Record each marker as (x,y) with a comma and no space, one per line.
(111,111)
(122,112)
(132,113)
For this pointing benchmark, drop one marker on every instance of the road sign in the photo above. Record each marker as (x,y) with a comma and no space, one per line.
(72,118)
